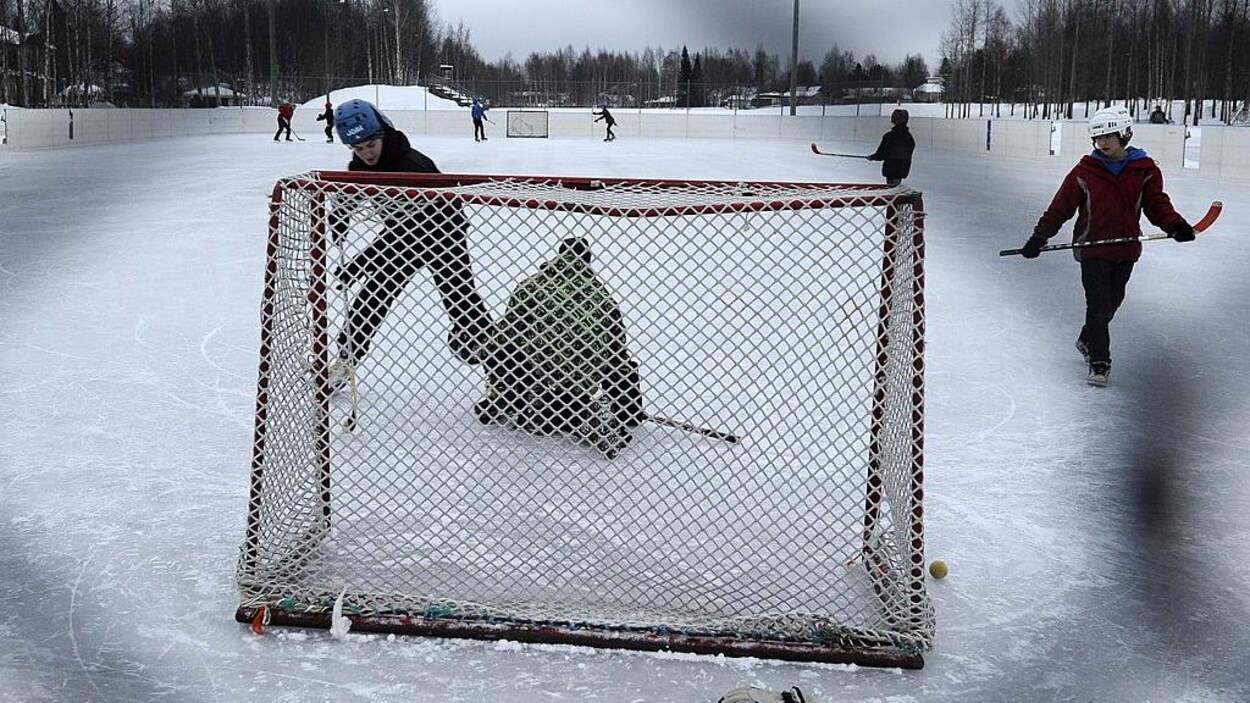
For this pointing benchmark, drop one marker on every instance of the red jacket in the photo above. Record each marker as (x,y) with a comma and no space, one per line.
(1108,206)
(286,110)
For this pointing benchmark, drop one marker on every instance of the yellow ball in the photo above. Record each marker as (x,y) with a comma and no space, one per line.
(937,569)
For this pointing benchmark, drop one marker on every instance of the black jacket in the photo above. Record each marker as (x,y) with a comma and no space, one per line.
(424,226)
(398,156)
(895,150)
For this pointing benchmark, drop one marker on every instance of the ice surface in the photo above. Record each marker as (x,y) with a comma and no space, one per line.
(1096,537)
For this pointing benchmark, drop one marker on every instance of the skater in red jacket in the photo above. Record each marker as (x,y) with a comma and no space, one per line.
(285,111)
(1107,190)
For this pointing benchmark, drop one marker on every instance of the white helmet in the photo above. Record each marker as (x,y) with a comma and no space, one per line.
(1112,120)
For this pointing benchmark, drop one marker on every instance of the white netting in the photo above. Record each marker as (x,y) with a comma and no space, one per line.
(526,123)
(789,315)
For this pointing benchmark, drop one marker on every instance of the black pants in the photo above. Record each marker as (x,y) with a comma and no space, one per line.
(284,125)
(330,131)
(392,259)
(479,130)
(541,403)
(1104,283)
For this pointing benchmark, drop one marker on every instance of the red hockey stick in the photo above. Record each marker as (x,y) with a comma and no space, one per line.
(1212,213)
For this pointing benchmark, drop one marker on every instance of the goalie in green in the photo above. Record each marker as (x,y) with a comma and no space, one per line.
(558,362)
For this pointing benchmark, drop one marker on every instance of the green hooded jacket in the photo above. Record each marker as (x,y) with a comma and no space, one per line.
(563,326)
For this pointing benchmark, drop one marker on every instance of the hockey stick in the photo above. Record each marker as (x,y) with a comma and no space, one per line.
(816,150)
(296,135)
(695,429)
(1207,220)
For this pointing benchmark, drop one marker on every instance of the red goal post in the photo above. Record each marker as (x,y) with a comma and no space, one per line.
(790,315)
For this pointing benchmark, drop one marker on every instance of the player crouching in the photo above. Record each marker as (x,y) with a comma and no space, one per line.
(557,361)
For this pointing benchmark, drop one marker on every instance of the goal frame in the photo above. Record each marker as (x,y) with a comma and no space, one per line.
(574,633)
(527,124)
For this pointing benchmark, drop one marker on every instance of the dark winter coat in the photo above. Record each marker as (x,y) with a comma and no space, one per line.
(606,117)
(433,235)
(398,156)
(422,229)
(1109,206)
(895,151)
(327,116)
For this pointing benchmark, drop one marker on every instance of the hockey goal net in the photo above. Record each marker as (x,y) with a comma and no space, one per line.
(771,506)
(527,123)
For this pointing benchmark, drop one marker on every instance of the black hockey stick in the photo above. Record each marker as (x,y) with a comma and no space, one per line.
(695,429)
(1212,213)
(816,150)
(296,135)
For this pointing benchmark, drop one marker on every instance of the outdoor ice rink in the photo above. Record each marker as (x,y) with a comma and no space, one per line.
(1096,537)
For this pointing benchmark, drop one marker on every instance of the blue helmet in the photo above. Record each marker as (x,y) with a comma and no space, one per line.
(358,120)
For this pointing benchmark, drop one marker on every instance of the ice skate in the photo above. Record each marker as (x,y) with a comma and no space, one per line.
(490,410)
(465,345)
(342,370)
(1083,349)
(1099,374)
(494,408)
(604,431)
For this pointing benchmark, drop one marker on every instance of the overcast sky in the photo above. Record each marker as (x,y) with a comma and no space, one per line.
(891,29)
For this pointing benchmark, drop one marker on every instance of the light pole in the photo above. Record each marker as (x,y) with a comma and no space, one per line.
(273,55)
(794,63)
(325,37)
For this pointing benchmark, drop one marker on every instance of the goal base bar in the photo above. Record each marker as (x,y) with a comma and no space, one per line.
(605,639)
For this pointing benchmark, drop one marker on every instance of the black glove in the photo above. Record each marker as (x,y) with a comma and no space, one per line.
(1033,248)
(1183,232)
(753,694)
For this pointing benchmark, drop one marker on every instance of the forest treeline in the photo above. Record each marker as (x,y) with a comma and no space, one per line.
(1055,54)
(1043,58)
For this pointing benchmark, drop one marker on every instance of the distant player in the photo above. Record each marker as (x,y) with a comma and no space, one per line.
(558,360)
(327,116)
(433,235)
(285,112)
(478,112)
(608,119)
(895,150)
(1107,190)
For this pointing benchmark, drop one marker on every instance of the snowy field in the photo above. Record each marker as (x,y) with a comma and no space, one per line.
(1096,537)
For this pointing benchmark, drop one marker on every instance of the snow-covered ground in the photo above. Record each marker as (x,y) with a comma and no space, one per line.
(1095,536)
